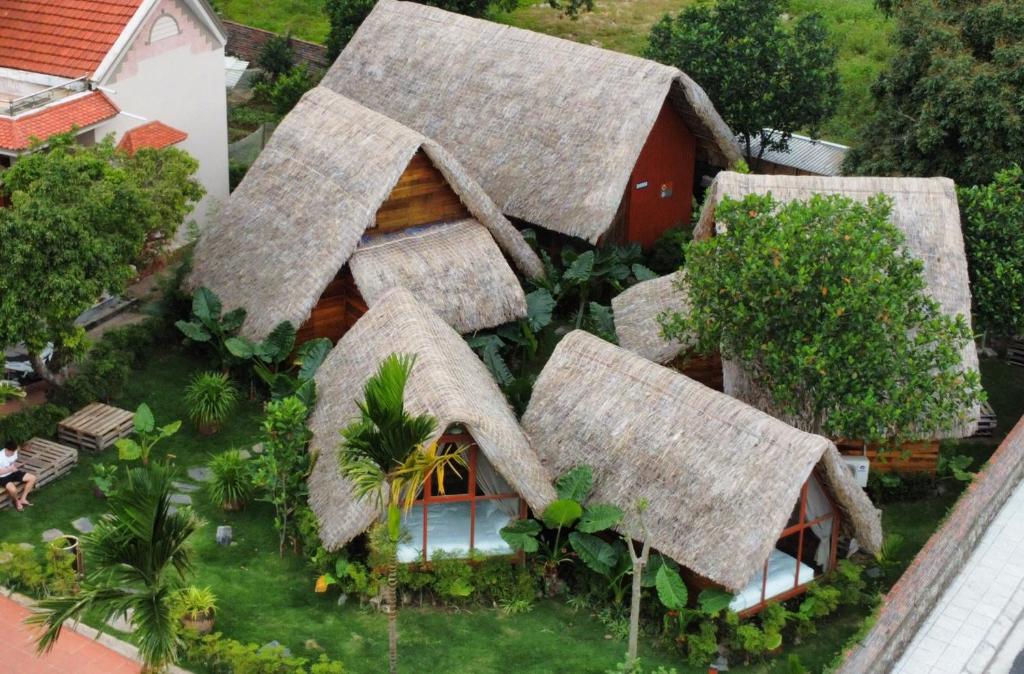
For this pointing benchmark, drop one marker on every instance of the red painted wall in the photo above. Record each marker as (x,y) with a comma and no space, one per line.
(660,188)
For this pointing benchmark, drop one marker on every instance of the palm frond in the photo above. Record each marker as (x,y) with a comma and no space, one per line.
(407,480)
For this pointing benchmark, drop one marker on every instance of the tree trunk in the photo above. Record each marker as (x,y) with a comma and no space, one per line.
(391,598)
(44,372)
(634,601)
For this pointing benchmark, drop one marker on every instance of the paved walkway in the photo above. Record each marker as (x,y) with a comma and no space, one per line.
(72,653)
(973,619)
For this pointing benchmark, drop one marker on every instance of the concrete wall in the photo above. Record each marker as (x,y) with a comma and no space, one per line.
(179,81)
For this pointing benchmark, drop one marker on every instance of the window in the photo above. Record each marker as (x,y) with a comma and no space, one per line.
(477,503)
(805,550)
(163,28)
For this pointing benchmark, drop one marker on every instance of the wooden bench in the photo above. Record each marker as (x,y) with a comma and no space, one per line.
(96,427)
(45,459)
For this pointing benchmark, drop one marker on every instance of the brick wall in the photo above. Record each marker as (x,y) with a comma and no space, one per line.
(916,593)
(245,42)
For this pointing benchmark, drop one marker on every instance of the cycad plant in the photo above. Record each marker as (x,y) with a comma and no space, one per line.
(210,397)
(386,456)
(137,558)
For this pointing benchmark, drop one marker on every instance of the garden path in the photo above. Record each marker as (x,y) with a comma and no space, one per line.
(976,614)
(73,652)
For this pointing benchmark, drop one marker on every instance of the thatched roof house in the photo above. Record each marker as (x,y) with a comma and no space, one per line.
(570,137)
(637,310)
(720,477)
(447,381)
(339,183)
(924,209)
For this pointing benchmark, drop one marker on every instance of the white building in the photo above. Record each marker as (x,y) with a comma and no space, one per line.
(149,71)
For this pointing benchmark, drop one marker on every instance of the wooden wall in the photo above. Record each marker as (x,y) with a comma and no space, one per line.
(660,191)
(705,369)
(421,196)
(339,307)
(912,457)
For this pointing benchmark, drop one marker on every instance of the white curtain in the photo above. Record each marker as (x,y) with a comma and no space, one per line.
(491,482)
(818,505)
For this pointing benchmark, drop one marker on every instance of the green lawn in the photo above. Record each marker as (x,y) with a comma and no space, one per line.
(263,596)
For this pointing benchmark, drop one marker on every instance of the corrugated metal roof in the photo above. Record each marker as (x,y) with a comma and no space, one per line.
(816,156)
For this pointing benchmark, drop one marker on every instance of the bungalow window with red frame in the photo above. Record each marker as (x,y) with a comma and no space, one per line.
(477,503)
(805,550)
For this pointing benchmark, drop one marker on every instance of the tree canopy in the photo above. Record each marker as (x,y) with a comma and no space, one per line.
(951,102)
(80,217)
(758,72)
(820,304)
(992,216)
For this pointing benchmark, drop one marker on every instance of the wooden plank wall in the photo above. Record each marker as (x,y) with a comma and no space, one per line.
(705,369)
(338,309)
(912,457)
(421,196)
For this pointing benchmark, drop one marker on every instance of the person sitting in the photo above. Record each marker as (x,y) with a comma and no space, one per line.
(11,475)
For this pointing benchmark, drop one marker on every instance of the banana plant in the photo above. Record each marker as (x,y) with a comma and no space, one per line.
(209,325)
(269,356)
(147,435)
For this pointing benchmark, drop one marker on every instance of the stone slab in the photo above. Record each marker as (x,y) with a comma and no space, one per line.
(51,534)
(200,474)
(83,525)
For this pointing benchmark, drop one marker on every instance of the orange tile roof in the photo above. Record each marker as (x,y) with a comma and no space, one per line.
(80,111)
(154,134)
(68,38)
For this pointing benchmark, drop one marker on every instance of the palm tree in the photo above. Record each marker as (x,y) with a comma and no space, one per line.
(137,558)
(386,456)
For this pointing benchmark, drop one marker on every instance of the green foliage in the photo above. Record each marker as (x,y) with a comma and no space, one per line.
(671,589)
(955,466)
(104,477)
(210,396)
(195,603)
(33,422)
(209,324)
(345,17)
(147,435)
(231,484)
(280,471)
(821,305)
(166,178)
(992,216)
(637,667)
(666,254)
(82,213)
(20,569)
(951,102)
(757,72)
(228,656)
(276,56)
(285,90)
(236,173)
(576,484)
(137,558)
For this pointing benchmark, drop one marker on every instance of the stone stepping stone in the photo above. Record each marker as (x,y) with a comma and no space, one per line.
(200,474)
(83,525)
(244,453)
(51,535)
(181,499)
(257,448)
(276,644)
(186,487)
(123,622)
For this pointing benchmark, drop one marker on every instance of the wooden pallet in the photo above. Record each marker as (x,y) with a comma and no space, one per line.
(911,457)
(45,459)
(986,422)
(1015,353)
(95,427)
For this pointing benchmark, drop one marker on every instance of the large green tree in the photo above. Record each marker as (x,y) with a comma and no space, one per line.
(993,223)
(820,304)
(80,218)
(759,72)
(951,102)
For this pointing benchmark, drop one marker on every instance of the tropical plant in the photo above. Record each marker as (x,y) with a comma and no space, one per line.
(231,485)
(147,435)
(209,325)
(280,471)
(285,91)
(138,556)
(821,304)
(210,396)
(103,478)
(195,607)
(992,217)
(10,390)
(269,356)
(386,455)
(768,81)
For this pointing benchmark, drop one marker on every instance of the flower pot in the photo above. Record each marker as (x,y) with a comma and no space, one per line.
(233,506)
(202,624)
(69,544)
(208,429)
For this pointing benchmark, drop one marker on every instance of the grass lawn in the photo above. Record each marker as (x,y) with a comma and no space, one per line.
(263,596)
(304,19)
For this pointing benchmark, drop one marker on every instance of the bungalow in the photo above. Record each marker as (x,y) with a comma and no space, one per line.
(149,71)
(568,137)
(344,204)
(738,498)
(449,382)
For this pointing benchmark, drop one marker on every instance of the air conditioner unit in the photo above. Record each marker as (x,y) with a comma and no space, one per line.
(859,467)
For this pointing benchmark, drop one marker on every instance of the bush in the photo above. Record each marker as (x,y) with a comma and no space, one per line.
(210,397)
(227,656)
(276,56)
(31,423)
(285,91)
(666,255)
(231,484)
(236,173)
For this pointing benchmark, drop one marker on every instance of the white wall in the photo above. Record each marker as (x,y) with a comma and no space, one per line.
(180,82)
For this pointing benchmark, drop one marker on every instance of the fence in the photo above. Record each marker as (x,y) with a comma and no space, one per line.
(246,150)
(246,42)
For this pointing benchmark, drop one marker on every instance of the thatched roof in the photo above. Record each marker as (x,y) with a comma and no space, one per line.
(551,128)
(924,209)
(720,477)
(307,201)
(447,381)
(637,309)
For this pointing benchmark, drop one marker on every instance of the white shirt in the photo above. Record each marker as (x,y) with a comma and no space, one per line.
(7,460)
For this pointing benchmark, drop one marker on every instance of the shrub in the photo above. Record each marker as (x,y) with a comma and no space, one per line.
(20,568)
(210,397)
(31,423)
(666,254)
(276,56)
(230,484)
(284,92)
(222,655)
(194,602)
(236,173)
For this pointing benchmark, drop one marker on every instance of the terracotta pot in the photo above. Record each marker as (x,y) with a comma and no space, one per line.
(203,624)
(233,506)
(208,429)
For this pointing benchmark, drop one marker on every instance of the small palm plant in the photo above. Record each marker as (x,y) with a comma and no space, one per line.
(195,608)
(231,486)
(138,557)
(386,456)
(210,397)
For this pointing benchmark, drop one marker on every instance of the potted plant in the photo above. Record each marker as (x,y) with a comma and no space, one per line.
(230,484)
(196,607)
(210,397)
(103,479)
